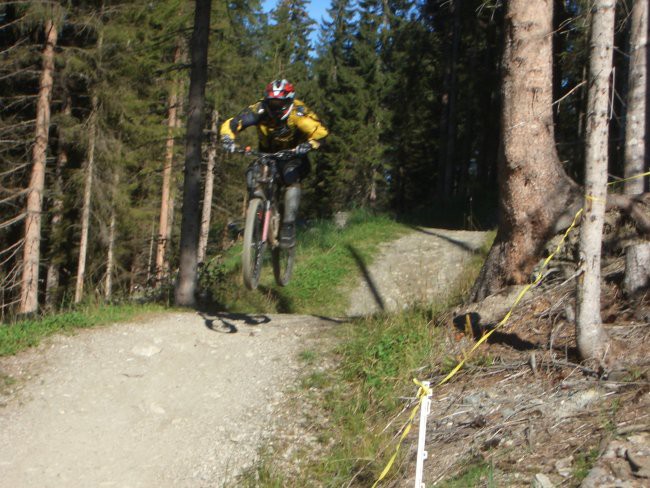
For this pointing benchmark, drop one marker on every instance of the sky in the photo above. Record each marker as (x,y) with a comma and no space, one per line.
(317,8)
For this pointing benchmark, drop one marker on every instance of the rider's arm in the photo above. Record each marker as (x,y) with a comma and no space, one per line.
(309,124)
(246,118)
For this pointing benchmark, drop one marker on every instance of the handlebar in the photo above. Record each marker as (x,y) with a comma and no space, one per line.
(285,153)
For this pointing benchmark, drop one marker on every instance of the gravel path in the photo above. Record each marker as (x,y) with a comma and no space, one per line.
(183,400)
(166,403)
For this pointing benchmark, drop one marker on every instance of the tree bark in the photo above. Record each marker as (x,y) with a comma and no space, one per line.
(85,212)
(208,189)
(637,268)
(635,124)
(186,284)
(165,200)
(590,334)
(32,246)
(637,259)
(450,152)
(534,191)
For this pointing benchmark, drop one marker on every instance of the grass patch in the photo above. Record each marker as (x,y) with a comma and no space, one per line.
(476,474)
(23,334)
(585,460)
(328,262)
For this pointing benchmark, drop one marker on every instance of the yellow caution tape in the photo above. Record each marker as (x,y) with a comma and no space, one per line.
(640,175)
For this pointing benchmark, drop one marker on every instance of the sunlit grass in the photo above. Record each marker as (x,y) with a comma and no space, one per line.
(20,335)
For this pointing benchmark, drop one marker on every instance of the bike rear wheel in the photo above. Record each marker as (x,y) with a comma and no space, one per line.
(254,246)
(283,264)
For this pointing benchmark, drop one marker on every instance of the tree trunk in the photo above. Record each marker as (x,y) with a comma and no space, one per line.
(450,152)
(635,125)
(164,224)
(534,191)
(207,192)
(637,257)
(590,335)
(108,288)
(186,284)
(637,268)
(32,246)
(85,212)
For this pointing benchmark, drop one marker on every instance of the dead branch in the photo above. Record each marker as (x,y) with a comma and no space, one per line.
(10,222)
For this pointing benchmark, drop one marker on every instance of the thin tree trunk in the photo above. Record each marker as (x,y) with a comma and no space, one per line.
(209,185)
(637,262)
(85,212)
(52,284)
(453,91)
(32,246)
(635,125)
(150,255)
(590,334)
(164,223)
(529,166)
(108,288)
(186,284)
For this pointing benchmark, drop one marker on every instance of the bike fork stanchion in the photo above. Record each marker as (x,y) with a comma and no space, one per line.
(425,408)
(267,220)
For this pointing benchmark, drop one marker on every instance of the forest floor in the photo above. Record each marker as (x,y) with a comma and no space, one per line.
(187,399)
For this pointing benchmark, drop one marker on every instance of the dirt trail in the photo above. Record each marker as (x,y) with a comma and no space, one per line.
(173,402)
(183,400)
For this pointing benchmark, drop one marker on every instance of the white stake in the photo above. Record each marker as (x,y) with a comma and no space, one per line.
(425,408)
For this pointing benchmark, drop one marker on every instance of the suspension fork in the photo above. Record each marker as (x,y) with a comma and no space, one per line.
(267,219)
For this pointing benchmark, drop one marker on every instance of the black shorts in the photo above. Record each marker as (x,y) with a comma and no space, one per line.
(294,170)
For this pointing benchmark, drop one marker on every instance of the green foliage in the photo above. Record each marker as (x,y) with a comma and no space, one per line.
(474,474)
(583,463)
(17,336)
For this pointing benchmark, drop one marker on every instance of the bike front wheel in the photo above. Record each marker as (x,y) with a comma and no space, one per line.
(283,264)
(254,246)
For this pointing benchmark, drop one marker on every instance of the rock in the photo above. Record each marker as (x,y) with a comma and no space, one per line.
(640,464)
(541,481)
(493,308)
(146,351)
(563,466)
(577,402)
(341,219)
(598,477)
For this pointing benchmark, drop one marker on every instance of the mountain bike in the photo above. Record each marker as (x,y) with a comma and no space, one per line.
(264,219)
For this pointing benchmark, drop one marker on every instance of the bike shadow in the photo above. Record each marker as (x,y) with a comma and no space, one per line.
(226,322)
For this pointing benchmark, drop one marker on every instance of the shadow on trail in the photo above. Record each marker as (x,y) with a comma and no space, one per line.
(367,277)
(456,242)
(224,322)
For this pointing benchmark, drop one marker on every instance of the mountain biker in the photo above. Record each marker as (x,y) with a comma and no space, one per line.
(283,122)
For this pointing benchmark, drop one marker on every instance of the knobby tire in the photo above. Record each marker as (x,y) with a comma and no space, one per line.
(253,253)
(283,264)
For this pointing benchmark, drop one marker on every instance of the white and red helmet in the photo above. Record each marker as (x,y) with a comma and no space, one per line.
(278,99)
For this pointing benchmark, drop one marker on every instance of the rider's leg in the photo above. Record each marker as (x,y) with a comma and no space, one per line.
(291,203)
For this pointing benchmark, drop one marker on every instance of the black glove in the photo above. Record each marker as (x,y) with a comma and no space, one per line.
(228,144)
(303,148)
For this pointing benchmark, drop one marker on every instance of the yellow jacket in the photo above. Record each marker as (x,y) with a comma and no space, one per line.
(302,125)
